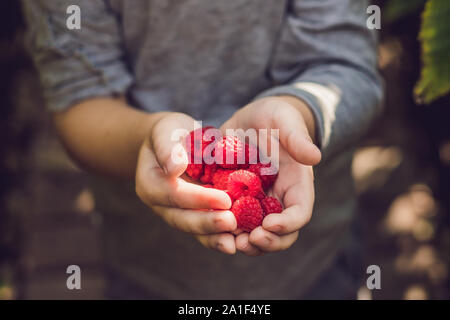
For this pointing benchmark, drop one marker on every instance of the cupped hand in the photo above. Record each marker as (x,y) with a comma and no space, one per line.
(294,186)
(189,207)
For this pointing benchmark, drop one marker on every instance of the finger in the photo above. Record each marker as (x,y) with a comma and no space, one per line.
(155,188)
(298,200)
(181,194)
(168,135)
(243,245)
(269,242)
(198,222)
(192,196)
(223,242)
(294,136)
(290,220)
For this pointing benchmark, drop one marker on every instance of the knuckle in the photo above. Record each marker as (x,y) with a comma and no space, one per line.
(217,222)
(218,242)
(270,242)
(221,221)
(282,228)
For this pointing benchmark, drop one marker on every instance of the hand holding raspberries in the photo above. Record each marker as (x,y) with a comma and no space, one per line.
(290,123)
(242,180)
(201,207)
(161,185)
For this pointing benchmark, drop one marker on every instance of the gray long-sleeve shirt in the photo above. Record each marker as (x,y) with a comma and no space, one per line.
(207,59)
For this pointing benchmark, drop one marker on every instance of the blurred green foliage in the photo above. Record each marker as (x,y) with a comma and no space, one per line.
(434,36)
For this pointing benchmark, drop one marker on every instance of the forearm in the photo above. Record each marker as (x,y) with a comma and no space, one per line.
(104,135)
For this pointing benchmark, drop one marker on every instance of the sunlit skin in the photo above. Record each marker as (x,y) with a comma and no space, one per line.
(295,183)
(120,141)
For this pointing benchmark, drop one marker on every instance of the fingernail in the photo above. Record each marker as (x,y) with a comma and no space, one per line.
(219,223)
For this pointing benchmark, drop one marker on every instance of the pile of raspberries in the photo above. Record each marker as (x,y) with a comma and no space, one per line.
(245,183)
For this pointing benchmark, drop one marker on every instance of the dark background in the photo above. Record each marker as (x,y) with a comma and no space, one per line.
(401,171)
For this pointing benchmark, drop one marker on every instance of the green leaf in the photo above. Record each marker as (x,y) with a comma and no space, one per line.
(435,39)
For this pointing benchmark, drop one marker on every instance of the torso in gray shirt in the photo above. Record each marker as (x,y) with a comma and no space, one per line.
(208,58)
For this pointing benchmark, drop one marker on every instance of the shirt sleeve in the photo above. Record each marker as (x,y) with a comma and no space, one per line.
(74,65)
(327,57)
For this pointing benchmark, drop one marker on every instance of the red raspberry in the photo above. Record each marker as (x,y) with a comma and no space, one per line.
(196,144)
(267,180)
(195,171)
(244,183)
(248,213)
(232,148)
(208,173)
(261,195)
(220,178)
(271,205)
(209,186)
(251,155)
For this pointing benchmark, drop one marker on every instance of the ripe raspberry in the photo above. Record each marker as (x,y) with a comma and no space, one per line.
(220,178)
(248,213)
(271,205)
(261,195)
(232,148)
(209,186)
(195,171)
(244,183)
(196,144)
(251,155)
(267,180)
(208,173)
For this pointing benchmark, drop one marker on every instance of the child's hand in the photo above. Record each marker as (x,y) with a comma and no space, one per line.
(294,186)
(180,203)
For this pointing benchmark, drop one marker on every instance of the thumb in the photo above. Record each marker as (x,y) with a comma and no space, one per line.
(168,135)
(294,136)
